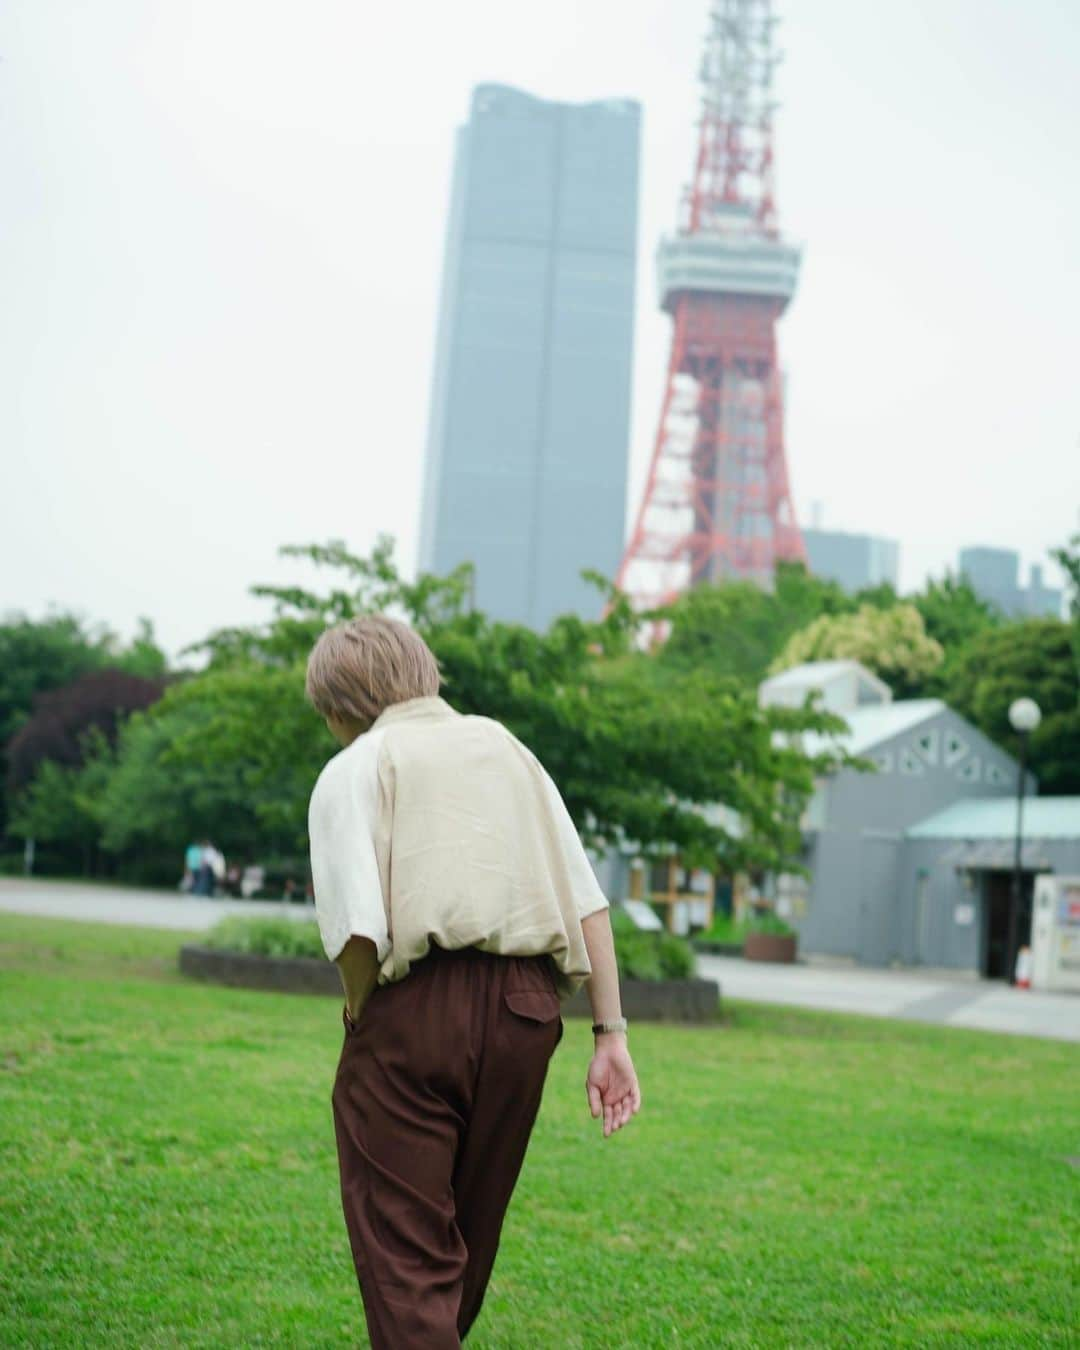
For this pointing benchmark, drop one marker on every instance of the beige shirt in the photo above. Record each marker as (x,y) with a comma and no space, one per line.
(439,826)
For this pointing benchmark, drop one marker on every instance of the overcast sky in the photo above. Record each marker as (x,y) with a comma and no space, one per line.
(221,236)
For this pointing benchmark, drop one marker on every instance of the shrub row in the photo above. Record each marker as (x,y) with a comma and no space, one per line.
(639,955)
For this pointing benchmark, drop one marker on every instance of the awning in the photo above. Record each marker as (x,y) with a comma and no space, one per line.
(996,855)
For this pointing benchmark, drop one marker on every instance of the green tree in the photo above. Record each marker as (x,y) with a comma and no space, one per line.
(637,757)
(62,718)
(1033,659)
(641,750)
(39,655)
(1068,558)
(954,615)
(61,807)
(893,643)
(228,754)
(881,596)
(737,629)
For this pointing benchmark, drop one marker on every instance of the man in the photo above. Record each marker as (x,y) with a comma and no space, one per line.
(204,877)
(453,892)
(192,863)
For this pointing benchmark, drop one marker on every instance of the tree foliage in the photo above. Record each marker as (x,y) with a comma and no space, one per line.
(62,718)
(737,629)
(40,655)
(892,642)
(954,615)
(638,753)
(1068,558)
(643,745)
(62,803)
(1032,658)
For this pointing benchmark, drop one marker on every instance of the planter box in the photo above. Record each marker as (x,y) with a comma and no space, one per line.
(658,1001)
(711,948)
(284,974)
(642,1000)
(769,947)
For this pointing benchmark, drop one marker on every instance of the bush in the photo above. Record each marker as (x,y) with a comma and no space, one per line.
(724,929)
(640,956)
(622,925)
(767,922)
(266,937)
(652,956)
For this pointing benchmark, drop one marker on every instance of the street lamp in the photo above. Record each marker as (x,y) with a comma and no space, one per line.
(1024,717)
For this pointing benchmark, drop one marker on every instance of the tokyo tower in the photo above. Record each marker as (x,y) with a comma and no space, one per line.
(717,503)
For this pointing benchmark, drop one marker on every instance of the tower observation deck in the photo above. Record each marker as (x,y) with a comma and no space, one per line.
(717,502)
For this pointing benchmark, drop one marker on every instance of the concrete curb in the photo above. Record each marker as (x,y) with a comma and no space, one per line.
(642,1000)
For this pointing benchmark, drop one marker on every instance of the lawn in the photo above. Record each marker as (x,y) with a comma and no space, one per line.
(168,1178)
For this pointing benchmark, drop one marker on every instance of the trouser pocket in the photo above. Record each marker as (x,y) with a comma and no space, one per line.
(535,1005)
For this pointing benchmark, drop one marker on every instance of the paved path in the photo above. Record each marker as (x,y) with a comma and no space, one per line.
(142,909)
(953,998)
(950,997)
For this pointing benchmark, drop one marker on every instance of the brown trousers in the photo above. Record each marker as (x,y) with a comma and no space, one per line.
(436,1093)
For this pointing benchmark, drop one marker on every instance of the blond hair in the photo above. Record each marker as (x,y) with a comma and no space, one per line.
(361,667)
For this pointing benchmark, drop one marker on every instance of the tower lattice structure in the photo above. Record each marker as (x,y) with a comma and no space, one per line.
(717,503)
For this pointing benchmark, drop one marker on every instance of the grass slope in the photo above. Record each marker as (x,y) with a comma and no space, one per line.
(168,1177)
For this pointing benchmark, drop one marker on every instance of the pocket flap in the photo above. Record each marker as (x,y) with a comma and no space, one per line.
(539,1005)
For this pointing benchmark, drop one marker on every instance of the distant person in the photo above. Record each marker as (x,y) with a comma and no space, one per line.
(192,863)
(211,865)
(452,890)
(215,860)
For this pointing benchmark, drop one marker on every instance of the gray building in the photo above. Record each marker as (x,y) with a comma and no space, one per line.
(911,864)
(853,560)
(528,435)
(994,574)
(955,878)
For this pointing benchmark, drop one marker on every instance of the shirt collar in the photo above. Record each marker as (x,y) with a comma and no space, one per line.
(429,709)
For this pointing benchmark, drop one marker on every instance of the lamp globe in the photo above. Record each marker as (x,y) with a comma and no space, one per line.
(1024,715)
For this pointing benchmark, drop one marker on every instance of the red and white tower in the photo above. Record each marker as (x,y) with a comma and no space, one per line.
(717,503)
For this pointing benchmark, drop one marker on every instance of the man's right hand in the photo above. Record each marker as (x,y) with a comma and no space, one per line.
(611,1083)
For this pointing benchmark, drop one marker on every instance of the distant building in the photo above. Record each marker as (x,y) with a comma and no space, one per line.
(912,863)
(854,560)
(1040,599)
(843,685)
(528,434)
(994,574)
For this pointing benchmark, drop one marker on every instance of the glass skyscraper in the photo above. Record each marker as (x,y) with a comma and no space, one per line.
(530,406)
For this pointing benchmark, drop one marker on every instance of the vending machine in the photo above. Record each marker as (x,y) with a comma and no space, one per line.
(1055,935)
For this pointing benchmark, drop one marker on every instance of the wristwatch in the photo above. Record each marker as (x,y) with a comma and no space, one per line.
(614,1024)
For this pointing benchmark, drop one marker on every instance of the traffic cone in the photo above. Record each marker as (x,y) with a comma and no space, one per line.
(1023,968)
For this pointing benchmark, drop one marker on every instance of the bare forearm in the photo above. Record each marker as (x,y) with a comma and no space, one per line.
(602,985)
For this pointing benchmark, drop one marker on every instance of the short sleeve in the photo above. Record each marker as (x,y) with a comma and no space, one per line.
(342,818)
(586,889)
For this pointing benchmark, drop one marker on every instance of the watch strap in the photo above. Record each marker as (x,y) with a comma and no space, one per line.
(612,1024)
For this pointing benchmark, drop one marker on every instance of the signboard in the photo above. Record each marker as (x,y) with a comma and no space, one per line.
(1069,906)
(643,915)
(1069,952)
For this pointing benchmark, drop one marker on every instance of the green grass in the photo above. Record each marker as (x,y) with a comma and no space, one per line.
(168,1177)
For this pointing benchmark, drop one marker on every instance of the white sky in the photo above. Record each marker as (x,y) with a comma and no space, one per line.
(222,233)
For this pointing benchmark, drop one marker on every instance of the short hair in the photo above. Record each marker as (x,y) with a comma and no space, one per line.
(361,667)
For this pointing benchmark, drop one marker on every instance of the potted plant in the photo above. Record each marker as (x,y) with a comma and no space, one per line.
(724,938)
(769,938)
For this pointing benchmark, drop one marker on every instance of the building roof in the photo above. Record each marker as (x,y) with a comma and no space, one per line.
(875,723)
(813,672)
(995,818)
